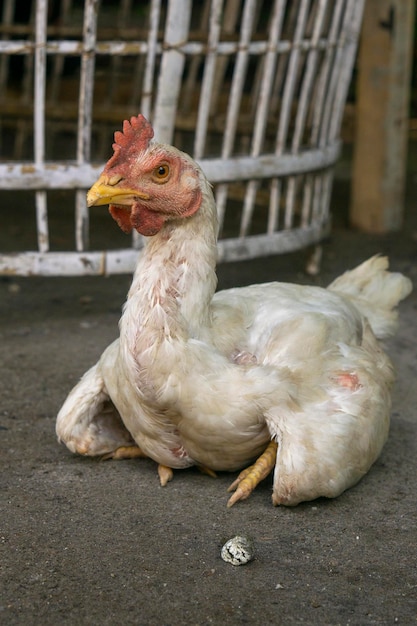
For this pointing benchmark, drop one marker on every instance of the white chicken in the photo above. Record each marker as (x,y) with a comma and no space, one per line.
(291,374)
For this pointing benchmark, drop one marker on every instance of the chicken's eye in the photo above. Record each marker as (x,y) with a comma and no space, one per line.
(161,173)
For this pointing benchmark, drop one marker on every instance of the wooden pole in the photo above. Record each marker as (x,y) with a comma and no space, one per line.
(379,165)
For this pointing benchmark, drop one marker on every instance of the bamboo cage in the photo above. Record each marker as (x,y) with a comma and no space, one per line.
(254,90)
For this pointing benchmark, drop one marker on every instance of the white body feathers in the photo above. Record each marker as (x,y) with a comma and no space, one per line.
(197,378)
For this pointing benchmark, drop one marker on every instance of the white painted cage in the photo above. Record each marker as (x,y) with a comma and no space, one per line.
(253,89)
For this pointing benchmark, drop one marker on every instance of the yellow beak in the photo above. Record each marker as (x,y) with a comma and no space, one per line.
(102,192)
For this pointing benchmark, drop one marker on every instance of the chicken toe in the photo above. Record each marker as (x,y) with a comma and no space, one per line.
(132,452)
(124,452)
(207,470)
(165,474)
(250,477)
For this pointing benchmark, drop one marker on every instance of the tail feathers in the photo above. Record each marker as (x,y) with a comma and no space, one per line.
(376,292)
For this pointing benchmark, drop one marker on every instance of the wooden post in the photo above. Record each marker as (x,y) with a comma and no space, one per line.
(379,164)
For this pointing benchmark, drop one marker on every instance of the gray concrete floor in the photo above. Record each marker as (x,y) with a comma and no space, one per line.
(90,542)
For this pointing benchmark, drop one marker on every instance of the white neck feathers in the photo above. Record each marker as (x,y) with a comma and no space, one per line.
(173,284)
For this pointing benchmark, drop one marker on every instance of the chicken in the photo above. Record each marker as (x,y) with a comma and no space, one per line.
(281,376)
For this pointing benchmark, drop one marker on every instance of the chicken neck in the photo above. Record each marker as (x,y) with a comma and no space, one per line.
(174,282)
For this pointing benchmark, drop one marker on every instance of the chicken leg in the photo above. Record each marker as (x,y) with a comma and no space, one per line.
(134,452)
(250,477)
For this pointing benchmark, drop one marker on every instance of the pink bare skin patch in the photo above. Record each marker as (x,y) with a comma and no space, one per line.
(349,380)
(180,452)
(241,357)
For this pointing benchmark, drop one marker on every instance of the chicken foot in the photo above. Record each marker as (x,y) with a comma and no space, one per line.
(134,452)
(250,477)
(124,452)
(165,473)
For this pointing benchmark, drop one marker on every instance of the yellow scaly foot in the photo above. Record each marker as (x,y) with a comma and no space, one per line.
(133,452)
(165,474)
(250,477)
(125,452)
(206,470)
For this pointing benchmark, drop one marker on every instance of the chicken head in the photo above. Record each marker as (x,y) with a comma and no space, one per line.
(146,184)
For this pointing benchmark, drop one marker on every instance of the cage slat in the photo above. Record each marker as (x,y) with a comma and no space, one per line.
(110,262)
(7,19)
(129,48)
(290,201)
(229,21)
(338,61)
(323,79)
(148,77)
(59,60)
(261,114)
(285,112)
(40,82)
(274,205)
(172,65)
(123,18)
(73,175)
(208,79)
(290,84)
(239,75)
(348,53)
(191,79)
(39,120)
(85,107)
(307,200)
(307,83)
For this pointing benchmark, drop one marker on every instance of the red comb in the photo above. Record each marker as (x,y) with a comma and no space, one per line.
(135,137)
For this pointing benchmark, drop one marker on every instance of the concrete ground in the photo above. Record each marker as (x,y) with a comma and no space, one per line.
(85,542)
